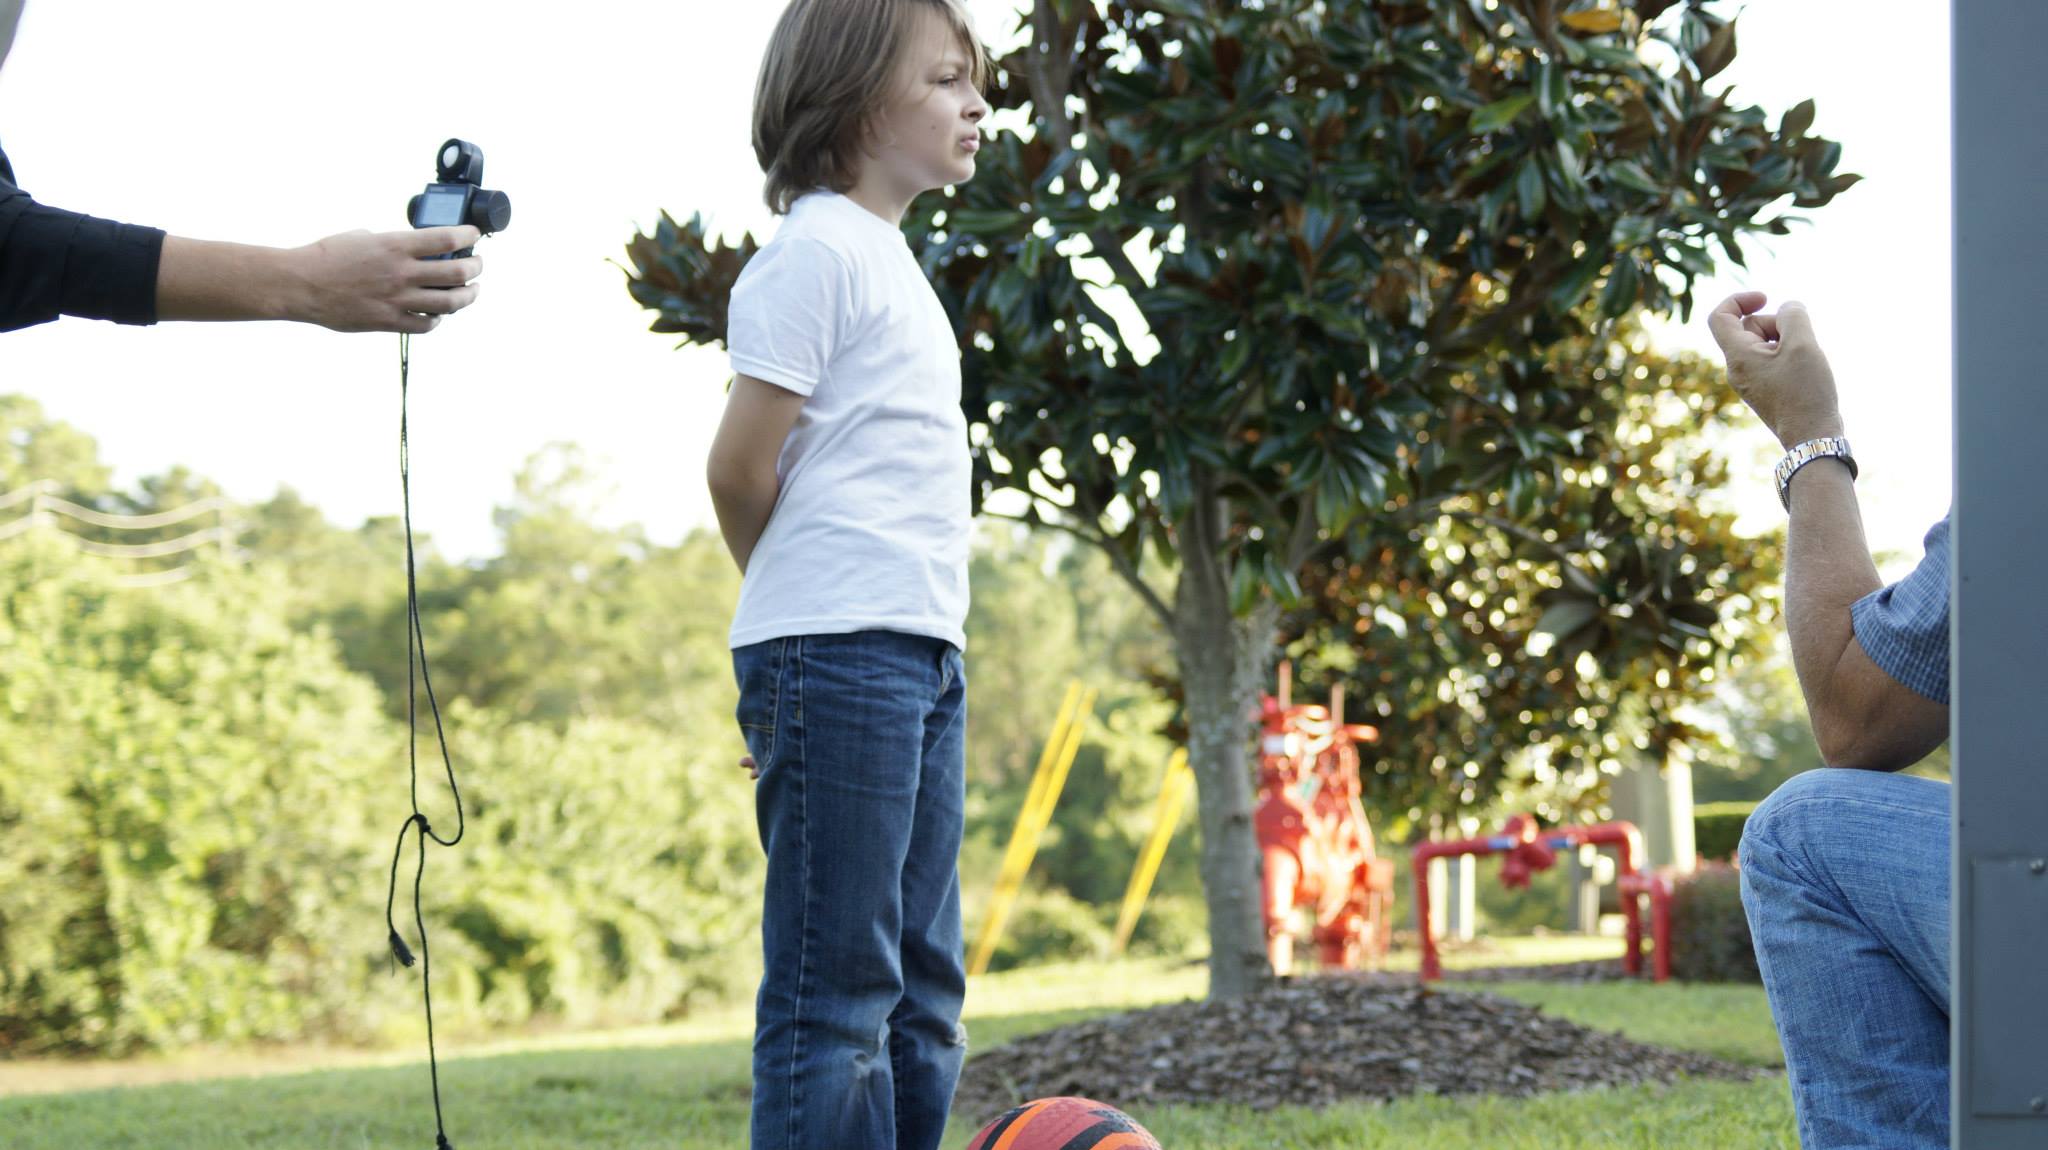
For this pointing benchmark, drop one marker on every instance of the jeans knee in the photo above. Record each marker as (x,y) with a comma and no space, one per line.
(1823,808)
(1781,819)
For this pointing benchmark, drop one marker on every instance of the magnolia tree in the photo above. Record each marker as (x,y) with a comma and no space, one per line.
(1243,288)
(1533,655)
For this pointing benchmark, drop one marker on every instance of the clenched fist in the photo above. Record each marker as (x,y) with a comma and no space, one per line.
(1776,366)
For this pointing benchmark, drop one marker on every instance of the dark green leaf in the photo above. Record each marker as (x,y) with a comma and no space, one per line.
(1499,114)
(1565,619)
(1717,53)
(1529,194)
(1797,120)
(1623,285)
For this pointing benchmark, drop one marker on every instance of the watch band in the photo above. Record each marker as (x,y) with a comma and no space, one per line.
(1831,447)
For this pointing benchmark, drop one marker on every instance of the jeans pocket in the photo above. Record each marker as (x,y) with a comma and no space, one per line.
(758,670)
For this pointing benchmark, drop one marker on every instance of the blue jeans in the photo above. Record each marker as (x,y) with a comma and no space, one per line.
(861,744)
(1845,879)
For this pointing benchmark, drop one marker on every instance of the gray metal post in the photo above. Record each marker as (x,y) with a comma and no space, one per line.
(1585,884)
(1999,1033)
(1461,898)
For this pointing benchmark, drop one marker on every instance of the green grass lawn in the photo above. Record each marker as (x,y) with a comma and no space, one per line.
(685,1088)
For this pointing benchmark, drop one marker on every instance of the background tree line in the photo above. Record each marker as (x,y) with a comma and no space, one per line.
(198,781)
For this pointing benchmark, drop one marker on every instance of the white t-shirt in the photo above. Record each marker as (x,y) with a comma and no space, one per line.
(870,530)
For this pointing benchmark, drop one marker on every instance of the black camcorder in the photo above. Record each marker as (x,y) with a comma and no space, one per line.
(457,196)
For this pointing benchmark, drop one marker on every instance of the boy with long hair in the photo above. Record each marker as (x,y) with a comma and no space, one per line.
(841,478)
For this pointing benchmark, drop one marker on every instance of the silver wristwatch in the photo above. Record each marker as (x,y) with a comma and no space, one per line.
(1832,447)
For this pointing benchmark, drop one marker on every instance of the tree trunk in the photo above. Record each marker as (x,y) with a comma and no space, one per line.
(1223,664)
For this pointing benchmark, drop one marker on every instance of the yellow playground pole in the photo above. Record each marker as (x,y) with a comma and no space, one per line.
(1046,782)
(1173,794)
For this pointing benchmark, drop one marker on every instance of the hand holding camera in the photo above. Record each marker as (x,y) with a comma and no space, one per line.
(405,281)
(382,281)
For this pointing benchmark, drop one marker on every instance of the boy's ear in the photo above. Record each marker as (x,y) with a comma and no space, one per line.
(872,138)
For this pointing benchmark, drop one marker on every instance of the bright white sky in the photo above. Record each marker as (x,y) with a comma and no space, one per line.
(281,123)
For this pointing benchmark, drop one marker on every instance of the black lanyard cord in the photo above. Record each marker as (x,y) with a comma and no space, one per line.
(416,674)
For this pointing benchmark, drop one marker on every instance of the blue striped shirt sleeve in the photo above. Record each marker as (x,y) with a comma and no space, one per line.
(1904,627)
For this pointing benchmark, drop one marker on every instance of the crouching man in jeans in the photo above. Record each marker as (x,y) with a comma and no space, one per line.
(1845,869)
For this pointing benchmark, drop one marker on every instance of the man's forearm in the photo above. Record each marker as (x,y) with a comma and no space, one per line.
(1864,714)
(204,280)
(744,507)
(357,281)
(1828,568)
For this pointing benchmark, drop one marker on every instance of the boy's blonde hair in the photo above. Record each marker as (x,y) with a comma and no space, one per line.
(830,68)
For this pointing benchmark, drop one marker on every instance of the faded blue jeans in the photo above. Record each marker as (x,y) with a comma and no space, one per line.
(861,744)
(1845,879)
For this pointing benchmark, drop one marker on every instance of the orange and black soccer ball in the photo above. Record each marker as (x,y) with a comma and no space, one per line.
(1064,1124)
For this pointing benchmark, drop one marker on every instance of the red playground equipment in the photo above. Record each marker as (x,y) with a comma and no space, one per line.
(1314,842)
(1530,849)
(1657,887)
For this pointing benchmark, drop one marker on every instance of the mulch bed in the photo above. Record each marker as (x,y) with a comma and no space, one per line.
(1316,1041)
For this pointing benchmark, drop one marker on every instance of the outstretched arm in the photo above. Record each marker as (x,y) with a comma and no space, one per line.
(55,263)
(357,281)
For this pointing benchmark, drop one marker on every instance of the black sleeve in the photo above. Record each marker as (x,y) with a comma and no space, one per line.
(54,263)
